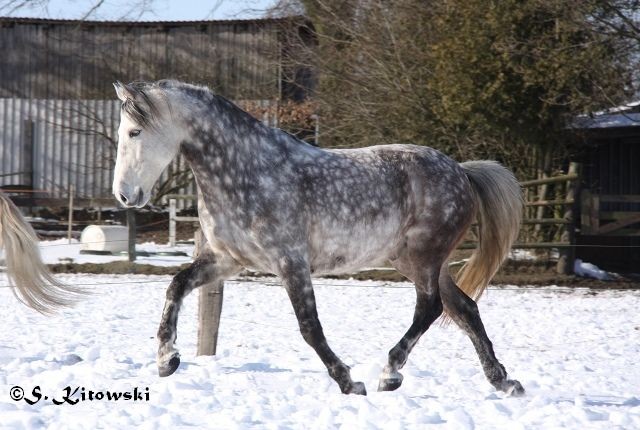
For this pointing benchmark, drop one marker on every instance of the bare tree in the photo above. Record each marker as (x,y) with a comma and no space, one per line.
(134,10)
(10,7)
(466,77)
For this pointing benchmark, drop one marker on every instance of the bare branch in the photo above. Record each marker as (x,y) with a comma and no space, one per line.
(213,10)
(9,7)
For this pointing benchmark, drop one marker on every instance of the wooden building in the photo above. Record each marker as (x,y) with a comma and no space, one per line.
(63,59)
(58,109)
(610,189)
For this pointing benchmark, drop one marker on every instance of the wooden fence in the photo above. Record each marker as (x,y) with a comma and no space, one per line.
(597,222)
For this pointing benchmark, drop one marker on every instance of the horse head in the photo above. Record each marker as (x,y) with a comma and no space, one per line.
(146,141)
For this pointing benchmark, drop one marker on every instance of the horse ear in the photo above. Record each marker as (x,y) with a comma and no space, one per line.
(124,92)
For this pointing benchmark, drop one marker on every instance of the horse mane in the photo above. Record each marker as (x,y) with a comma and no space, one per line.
(205,94)
(144,110)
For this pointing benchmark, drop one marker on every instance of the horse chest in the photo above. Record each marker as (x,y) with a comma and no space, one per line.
(234,239)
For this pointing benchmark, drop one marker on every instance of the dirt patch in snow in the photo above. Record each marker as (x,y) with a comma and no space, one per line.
(513,273)
(116,267)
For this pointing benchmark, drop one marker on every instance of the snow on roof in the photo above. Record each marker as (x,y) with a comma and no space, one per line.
(614,120)
(28,20)
(627,107)
(626,115)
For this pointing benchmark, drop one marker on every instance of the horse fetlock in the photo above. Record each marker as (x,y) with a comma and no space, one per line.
(496,374)
(398,356)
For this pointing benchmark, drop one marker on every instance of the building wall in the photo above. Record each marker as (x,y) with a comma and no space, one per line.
(57,59)
(610,166)
(48,145)
(58,110)
(610,158)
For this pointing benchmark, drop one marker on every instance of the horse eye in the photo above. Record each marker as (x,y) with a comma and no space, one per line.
(134,133)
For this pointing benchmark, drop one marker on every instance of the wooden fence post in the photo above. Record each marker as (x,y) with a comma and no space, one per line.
(172,223)
(131,223)
(590,212)
(71,192)
(567,256)
(209,304)
(209,310)
(28,171)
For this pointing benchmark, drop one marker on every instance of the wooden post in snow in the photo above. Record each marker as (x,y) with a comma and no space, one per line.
(131,223)
(172,223)
(209,310)
(71,192)
(209,303)
(567,256)
(27,168)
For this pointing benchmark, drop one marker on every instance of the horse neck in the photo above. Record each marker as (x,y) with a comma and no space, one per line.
(227,146)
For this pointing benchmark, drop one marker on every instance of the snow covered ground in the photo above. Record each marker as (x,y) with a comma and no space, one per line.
(575,351)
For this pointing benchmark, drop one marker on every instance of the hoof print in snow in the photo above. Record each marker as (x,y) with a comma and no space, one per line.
(169,368)
(71,359)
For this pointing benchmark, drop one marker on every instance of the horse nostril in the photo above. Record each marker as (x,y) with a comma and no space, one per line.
(123,198)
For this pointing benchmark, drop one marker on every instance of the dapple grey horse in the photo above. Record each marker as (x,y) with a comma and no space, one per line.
(273,203)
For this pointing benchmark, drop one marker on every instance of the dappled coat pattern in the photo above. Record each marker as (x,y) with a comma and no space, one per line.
(273,203)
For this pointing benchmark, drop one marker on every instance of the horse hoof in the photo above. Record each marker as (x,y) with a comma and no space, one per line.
(389,384)
(170,367)
(357,388)
(390,381)
(513,388)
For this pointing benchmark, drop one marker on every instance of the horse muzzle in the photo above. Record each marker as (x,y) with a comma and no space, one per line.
(131,197)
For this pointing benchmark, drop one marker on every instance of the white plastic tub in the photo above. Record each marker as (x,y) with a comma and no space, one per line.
(105,238)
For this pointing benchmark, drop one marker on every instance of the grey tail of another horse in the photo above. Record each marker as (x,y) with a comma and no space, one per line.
(500,204)
(29,277)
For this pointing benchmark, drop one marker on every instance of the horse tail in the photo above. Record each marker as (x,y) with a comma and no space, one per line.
(29,277)
(500,203)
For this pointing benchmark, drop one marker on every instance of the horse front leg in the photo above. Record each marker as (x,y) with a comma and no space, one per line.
(207,268)
(296,278)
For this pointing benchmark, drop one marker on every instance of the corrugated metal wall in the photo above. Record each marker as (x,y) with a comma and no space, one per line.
(47,145)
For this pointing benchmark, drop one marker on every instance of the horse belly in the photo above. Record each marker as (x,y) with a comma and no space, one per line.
(350,248)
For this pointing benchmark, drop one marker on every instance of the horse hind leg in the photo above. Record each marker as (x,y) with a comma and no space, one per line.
(464,312)
(428,309)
